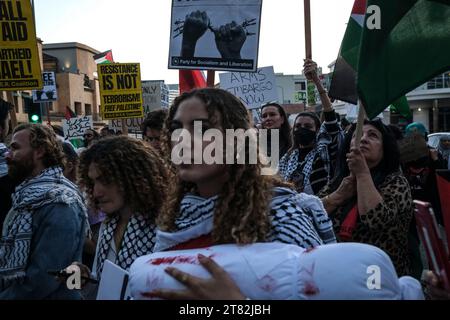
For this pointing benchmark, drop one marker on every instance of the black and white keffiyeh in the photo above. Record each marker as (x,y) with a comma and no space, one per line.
(138,240)
(49,187)
(296,219)
(290,163)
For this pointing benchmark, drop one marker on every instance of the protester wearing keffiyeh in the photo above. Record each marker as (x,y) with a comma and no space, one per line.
(21,235)
(296,219)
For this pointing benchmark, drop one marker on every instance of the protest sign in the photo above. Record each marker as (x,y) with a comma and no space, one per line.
(134,125)
(154,95)
(254,89)
(75,127)
(20,68)
(412,148)
(48,92)
(120,90)
(207,34)
(114,283)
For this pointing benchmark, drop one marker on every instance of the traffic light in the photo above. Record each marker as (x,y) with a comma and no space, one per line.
(34,113)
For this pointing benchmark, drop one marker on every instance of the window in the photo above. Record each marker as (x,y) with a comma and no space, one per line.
(88,109)
(300,86)
(86,81)
(447,80)
(78,110)
(444,119)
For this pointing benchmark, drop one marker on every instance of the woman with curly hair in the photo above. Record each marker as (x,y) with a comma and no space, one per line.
(231,203)
(126,180)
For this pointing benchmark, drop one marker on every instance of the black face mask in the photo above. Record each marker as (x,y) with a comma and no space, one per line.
(304,136)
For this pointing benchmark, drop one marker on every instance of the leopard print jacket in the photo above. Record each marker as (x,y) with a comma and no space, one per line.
(386,226)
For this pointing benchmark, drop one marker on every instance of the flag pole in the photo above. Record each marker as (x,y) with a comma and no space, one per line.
(210,78)
(47,105)
(124,127)
(308,41)
(359,124)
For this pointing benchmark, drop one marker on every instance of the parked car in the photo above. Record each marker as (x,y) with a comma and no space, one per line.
(434,138)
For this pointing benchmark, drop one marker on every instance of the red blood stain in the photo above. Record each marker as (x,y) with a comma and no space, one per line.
(177,259)
(310,289)
(310,250)
(268,283)
(171,260)
(307,274)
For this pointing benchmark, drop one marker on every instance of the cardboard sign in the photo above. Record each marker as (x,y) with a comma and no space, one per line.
(75,127)
(20,68)
(48,92)
(154,95)
(254,89)
(134,125)
(216,35)
(114,283)
(120,90)
(412,148)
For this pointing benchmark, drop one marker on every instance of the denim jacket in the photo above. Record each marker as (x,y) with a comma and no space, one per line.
(58,239)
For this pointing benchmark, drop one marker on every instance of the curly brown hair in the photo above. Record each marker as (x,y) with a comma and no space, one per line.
(241,213)
(134,167)
(44,137)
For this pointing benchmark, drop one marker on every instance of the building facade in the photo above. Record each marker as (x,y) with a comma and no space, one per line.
(76,79)
(430,103)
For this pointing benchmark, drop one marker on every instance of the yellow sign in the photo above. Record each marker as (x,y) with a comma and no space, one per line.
(19,59)
(120,90)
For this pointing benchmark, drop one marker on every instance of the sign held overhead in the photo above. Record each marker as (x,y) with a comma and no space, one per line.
(120,90)
(215,35)
(20,68)
(48,92)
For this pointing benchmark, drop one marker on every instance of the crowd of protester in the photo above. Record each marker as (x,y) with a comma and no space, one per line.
(120,198)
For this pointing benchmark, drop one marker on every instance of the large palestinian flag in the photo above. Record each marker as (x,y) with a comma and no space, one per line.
(411,47)
(343,83)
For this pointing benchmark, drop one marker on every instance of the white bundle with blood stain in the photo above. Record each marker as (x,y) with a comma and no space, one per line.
(266,271)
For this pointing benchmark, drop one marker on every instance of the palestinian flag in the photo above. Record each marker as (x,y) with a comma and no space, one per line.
(104,57)
(401,106)
(343,82)
(191,79)
(69,114)
(411,47)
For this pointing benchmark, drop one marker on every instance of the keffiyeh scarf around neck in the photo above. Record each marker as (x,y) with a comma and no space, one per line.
(295,218)
(290,163)
(138,240)
(50,187)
